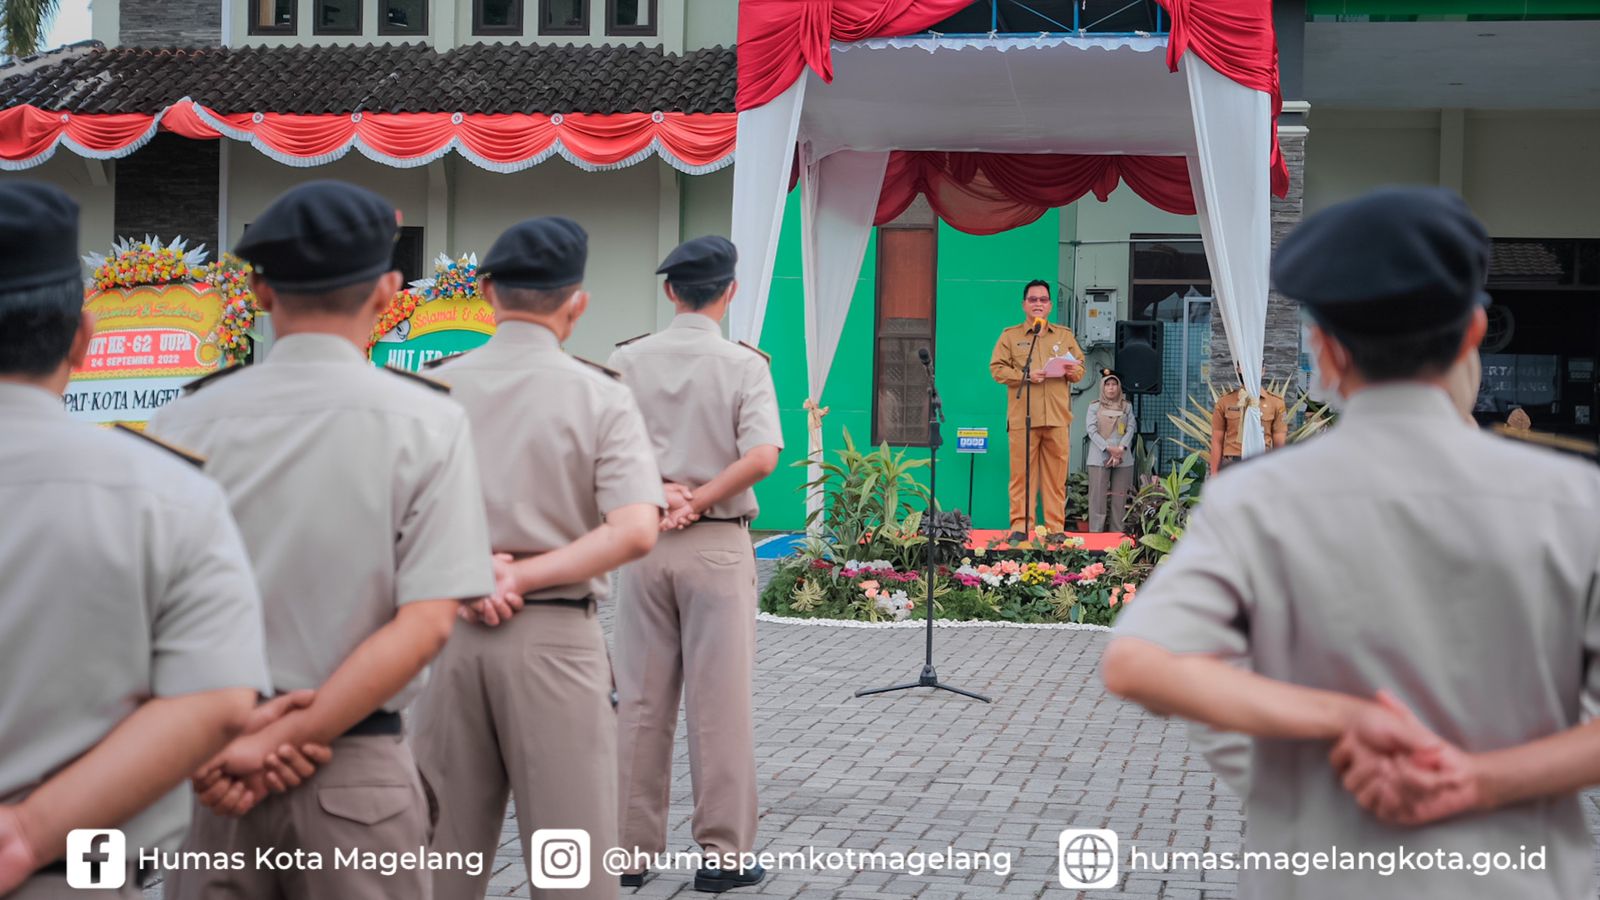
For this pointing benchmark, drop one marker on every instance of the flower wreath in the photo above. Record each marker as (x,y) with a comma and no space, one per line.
(149,262)
(453,279)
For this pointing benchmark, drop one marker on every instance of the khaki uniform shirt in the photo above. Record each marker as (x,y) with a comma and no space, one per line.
(122,578)
(1227,418)
(356,491)
(560,444)
(1052,398)
(707,401)
(1359,561)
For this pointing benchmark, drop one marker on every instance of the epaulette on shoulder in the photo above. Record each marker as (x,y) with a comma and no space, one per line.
(438,361)
(604,370)
(188,456)
(204,380)
(423,380)
(637,337)
(756,350)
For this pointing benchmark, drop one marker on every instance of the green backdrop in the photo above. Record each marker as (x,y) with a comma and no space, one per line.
(979,292)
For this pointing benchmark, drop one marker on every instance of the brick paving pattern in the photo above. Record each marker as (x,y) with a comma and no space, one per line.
(925,771)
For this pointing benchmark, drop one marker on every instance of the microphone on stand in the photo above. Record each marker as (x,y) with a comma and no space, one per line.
(1038,323)
(935,404)
(927,361)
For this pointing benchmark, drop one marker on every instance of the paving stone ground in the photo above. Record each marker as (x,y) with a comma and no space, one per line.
(928,771)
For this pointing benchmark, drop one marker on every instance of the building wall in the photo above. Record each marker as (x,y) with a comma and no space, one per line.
(96,202)
(711,23)
(169,188)
(619,209)
(1526,174)
(979,292)
(171,23)
(450,25)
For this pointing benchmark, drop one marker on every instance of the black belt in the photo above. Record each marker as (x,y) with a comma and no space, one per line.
(741,521)
(381,722)
(579,603)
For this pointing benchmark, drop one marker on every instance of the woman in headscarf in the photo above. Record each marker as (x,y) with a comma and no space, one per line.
(1111,429)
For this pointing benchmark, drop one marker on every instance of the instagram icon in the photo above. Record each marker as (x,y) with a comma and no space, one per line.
(558,859)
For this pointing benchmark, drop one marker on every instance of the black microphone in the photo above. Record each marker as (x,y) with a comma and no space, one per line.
(922,354)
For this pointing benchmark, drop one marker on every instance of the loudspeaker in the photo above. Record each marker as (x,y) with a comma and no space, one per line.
(1138,358)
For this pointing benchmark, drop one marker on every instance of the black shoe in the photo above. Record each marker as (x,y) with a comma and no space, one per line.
(1016,537)
(715,881)
(634,880)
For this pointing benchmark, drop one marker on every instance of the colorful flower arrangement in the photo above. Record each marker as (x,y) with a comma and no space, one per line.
(453,279)
(149,262)
(1039,582)
(230,277)
(133,264)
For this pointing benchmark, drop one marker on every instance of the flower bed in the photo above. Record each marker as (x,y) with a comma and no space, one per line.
(1043,581)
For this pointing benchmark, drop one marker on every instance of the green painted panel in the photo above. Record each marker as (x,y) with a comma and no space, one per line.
(979,292)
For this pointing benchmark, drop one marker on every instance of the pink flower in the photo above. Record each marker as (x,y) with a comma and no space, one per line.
(870,588)
(1093,571)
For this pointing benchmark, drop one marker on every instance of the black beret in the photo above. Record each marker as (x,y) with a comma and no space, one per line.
(1110,373)
(320,236)
(542,254)
(1399,260)
(704,260)
(38,236)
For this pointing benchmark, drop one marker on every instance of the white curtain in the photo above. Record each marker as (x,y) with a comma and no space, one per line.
(1232,194)
(762,159)
(839,198)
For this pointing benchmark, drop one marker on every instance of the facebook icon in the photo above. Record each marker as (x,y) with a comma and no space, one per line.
(96,858)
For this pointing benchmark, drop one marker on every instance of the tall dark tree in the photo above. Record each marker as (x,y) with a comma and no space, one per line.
(23,24)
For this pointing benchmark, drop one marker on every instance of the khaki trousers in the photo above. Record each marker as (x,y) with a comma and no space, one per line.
(1109,486)
(687,617)
(54,887)
(368,797)
(521,710)
(1047,476)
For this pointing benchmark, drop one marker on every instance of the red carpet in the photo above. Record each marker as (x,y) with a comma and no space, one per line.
(1091,541)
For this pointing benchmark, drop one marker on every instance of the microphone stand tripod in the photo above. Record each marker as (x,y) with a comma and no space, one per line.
(929,676)
(1025,390)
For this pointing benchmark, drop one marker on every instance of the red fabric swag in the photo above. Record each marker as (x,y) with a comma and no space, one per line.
(987,193)
(778,39)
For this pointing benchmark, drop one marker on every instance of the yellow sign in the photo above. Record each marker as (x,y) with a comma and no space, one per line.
(452,315)
(148,343)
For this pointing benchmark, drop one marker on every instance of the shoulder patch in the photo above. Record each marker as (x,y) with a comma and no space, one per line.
(188,456)
(636,337)
(204,380)
(756,350)
(438,361)
(604,370)
(423,380)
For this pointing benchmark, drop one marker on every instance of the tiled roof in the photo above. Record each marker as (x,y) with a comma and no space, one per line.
(481,78)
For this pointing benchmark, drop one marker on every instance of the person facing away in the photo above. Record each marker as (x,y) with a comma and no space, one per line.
(1112,429)
(1227,424)
(130,626)
(1040,451)
(356,491)
(519,702)
(686,620)
(1350,564)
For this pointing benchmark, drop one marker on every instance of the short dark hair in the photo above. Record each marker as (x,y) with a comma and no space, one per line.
(699,296)
(37,326)
(341,301)
(1037,282)
(1391,357)
(538,301)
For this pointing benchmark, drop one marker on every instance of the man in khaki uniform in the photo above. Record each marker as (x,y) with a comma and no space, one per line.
(687,614)
(130,628)
(1043,454)
(572,490)
(356,490)
(1227,425)
(1341,567)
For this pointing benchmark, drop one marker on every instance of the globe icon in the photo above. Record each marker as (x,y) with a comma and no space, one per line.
(1088,858)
